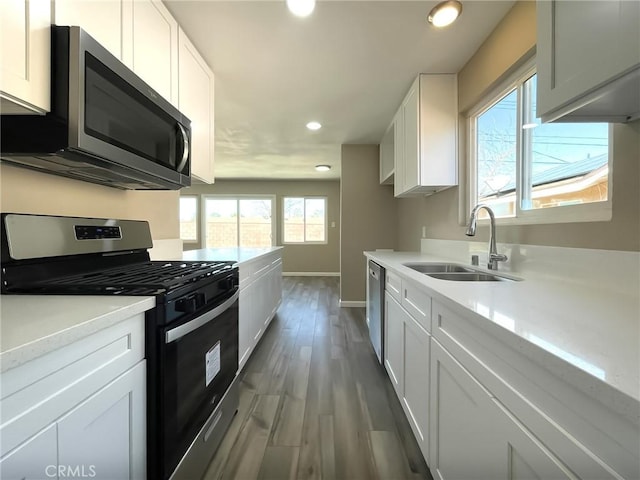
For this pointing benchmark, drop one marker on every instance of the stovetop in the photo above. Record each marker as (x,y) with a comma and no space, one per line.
(146,278)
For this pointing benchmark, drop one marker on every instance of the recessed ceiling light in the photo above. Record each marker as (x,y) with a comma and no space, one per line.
(323,168)
(301,8)
(314,126)
(445,13)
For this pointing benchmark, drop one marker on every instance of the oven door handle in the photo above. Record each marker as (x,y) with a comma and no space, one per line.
(179,332)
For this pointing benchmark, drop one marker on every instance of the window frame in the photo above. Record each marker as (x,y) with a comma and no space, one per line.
(326,219)
(197,219)
(203,214)
(586,212)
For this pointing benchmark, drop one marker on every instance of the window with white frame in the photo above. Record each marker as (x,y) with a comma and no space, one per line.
(237,221)
(189,218)
(304,220)
(532,172)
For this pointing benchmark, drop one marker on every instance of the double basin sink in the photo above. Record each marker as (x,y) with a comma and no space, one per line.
(454,272)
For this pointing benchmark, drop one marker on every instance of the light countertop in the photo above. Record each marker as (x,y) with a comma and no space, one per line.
(32,325)
(570,328)
(239,255)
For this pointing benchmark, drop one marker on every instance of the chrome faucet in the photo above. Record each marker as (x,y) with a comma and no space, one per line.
(494,256)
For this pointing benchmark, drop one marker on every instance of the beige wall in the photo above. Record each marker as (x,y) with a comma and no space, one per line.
(368,217)
(27,191)
(513,39)
(295,258)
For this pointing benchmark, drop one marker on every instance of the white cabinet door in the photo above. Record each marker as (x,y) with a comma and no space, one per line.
(416,381)
(195,100)
(35,459)
(386,156)
(411,123)
(246,335)
(394,343)
(25,60)
(526,457)
(398,152)
(104,20)
(155,47)
(107,432)
(583,46)
(465,441)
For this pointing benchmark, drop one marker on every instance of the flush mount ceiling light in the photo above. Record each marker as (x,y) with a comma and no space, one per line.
(301,8)
(323,168)
(445,13)
(314,126)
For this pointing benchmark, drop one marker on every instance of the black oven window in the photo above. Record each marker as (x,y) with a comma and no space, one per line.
(117,113)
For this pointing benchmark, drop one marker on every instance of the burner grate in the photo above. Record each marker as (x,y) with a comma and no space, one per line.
(147,276)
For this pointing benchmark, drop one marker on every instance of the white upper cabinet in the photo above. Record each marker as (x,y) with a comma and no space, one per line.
(25,60)
(142,34)
(588,56)
(398,152)
(387,156)
(155,47)
(195,100)
(104,20)
(428,133)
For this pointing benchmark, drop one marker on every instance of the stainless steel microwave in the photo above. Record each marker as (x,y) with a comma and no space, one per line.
(106,125)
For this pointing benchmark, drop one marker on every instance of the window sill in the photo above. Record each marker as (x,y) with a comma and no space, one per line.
(576,214)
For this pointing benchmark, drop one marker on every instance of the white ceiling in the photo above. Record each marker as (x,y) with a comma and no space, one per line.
(347,66)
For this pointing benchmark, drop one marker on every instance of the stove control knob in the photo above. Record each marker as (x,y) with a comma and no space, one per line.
(186,305)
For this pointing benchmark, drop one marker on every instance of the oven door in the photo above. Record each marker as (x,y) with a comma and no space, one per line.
(199,362)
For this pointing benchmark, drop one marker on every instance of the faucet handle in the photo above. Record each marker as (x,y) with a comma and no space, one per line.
(494,258)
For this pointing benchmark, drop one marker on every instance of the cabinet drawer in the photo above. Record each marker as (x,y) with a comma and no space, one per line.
(393,285)
(417,303)
(46,386)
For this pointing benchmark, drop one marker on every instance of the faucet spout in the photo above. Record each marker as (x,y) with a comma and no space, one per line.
(494,256)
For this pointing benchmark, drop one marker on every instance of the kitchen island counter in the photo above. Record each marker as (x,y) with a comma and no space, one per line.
(240,255)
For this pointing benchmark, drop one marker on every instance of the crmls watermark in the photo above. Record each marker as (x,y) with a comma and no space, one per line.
(70,471)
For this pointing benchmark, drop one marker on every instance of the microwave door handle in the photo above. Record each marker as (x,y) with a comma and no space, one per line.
(185,148)
(182,330)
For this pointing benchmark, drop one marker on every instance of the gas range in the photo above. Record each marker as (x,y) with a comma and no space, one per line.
(191,336)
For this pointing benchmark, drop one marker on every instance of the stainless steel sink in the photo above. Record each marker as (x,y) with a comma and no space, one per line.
(429,268)
(469,276)
(455,272)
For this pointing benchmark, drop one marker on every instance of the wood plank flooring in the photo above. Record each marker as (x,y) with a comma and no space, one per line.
(314,402)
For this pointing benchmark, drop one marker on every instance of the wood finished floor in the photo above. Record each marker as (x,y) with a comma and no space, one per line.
(314,402)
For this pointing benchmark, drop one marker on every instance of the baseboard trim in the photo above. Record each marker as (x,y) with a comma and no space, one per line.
(352,304)
(310,274)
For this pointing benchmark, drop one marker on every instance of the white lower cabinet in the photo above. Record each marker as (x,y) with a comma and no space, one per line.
(104,436)
(36,458)
(464,440)
(394,343)
(481,409)
(475,437)
(79,411)
(417,348)
(260,297)
(406,359)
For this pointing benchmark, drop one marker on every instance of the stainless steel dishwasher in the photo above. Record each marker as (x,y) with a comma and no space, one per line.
(375,308)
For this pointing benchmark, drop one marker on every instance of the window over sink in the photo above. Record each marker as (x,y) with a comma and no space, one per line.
(530,172)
